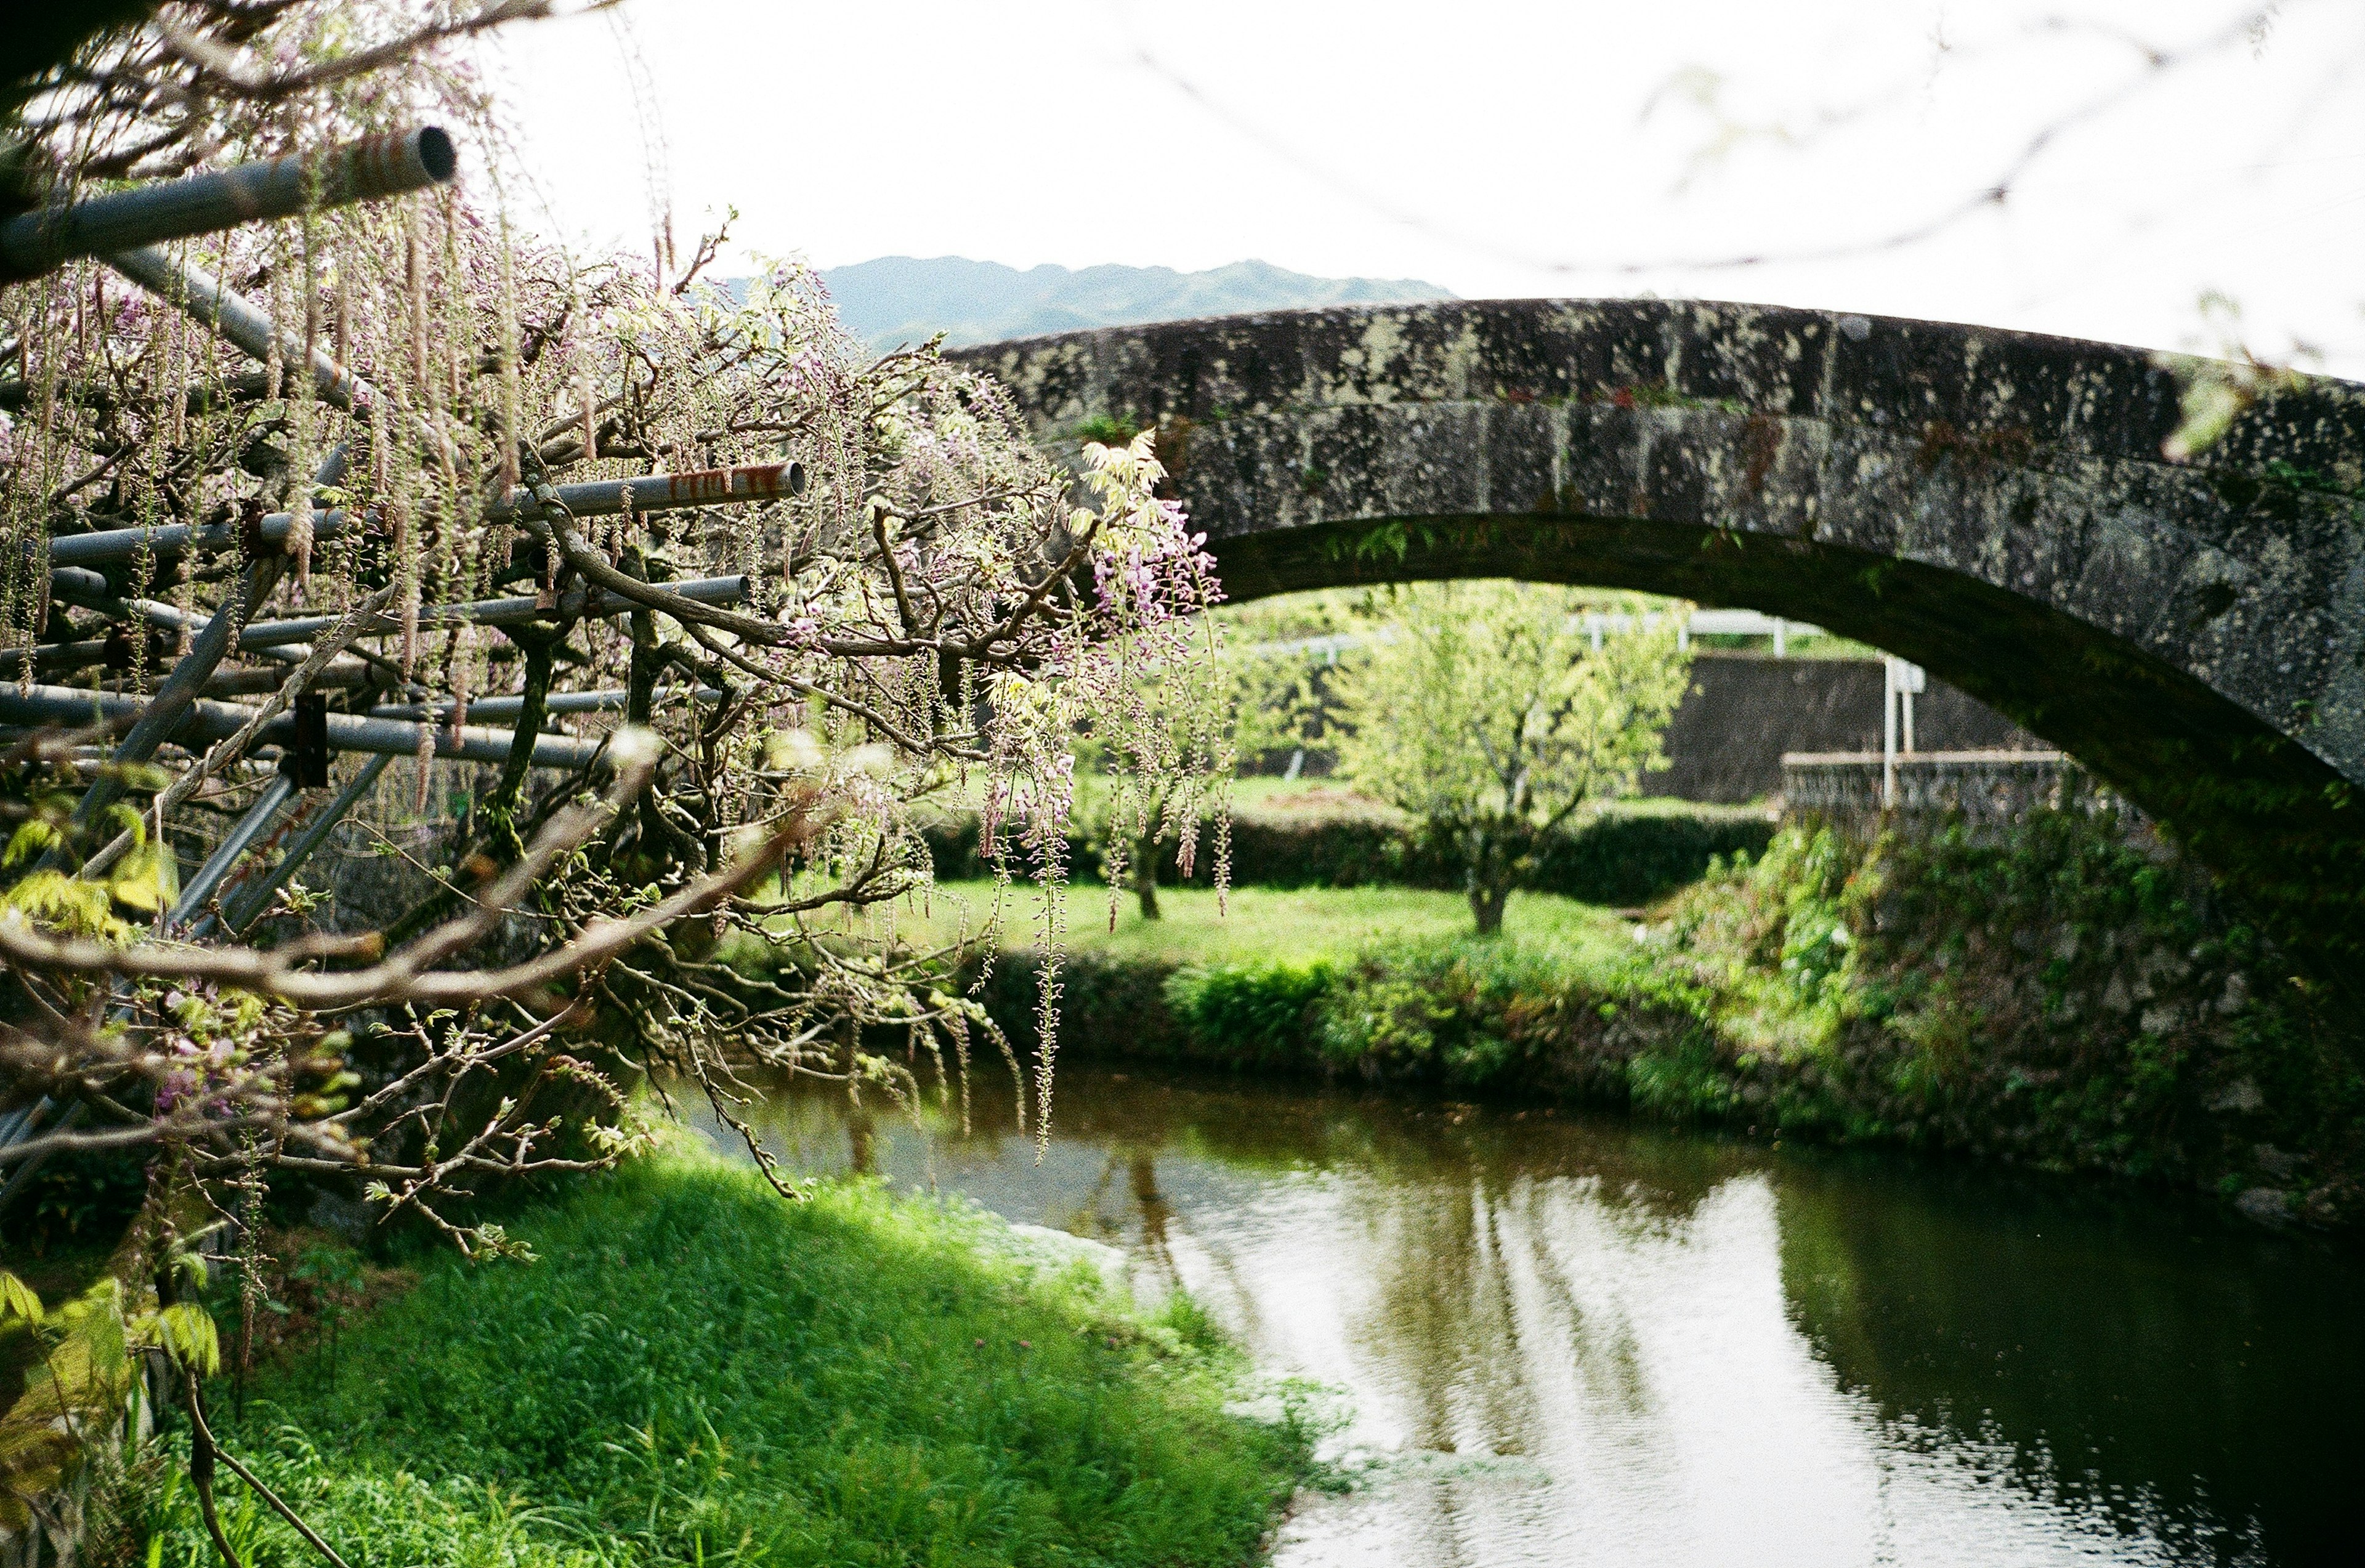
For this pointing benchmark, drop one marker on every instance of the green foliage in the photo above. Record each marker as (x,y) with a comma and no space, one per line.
(2066,993)
(1618,857)
(1109,430)
(695,1373)
(1262,1007)
(82,1374)
(1483,712)
(1681,1080)
(68,906)
(1158,762)
(1336,925)
(1380,1019)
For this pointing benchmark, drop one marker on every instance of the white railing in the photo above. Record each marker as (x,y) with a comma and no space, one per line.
(1598,623)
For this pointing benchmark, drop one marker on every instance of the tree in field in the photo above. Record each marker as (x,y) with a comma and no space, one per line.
(1483,709)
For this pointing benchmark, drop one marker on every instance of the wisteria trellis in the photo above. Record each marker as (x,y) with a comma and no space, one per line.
(390,477)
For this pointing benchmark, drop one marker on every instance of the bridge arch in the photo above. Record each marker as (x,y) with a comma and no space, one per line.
(1993,505)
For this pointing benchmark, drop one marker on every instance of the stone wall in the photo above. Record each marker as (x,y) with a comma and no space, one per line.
(1985,786)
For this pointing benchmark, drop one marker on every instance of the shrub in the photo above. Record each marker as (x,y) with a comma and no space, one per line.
(1262,1010)
(1623,858)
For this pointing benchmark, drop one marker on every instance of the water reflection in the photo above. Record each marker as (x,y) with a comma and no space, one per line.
(1569,1341)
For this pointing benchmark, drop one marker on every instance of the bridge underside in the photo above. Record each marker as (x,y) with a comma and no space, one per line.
(1990,505)
(2239,792)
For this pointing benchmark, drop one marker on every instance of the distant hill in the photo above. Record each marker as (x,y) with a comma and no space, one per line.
(905,299)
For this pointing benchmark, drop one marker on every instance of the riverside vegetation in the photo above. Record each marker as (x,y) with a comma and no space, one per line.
(2064,994)
(693,1372)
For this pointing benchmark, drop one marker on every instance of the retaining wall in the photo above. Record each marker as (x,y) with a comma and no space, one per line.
(1987,786)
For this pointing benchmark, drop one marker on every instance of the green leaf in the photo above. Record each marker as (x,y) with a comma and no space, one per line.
(17,1299)
(127,818)
(186,1333)
(193,1267)
(68,904)
(147,880)
(29,840)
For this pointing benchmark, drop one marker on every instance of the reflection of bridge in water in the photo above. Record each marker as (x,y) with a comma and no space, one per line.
(1993,506)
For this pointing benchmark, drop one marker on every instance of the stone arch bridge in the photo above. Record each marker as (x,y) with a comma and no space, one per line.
(1993,505)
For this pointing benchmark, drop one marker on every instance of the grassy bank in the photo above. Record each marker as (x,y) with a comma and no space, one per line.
(695,1370)
(2066,996)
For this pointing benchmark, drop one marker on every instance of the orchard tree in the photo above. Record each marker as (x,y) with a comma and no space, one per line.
(1483,709)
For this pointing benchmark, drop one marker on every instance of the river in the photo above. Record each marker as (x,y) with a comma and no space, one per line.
(1568,1339)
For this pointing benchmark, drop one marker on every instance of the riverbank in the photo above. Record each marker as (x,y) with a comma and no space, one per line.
(694,1369)
(1579,1338)
(2063,996)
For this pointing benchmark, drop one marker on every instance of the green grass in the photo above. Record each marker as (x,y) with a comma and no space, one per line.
(1267,791)
(1300,924)
(698,1372)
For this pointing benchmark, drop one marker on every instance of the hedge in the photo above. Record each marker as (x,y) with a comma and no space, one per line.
(1618,857)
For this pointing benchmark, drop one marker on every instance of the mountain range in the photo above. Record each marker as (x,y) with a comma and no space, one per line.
(898,299)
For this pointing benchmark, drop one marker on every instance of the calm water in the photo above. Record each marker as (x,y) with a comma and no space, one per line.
(1568,1340)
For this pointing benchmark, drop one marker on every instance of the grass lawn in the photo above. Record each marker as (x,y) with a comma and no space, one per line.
(1269,791)
(696,1370)
(1302,923)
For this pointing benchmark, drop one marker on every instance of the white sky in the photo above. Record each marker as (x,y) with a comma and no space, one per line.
(1499,149)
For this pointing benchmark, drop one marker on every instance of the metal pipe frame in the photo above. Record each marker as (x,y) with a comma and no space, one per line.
(270,636)
(161,715)
(662,492)
(240,839)
(211,304)
(389,164)
(89,591)
(337,675)
(55,656)
(129,228)
(511,612)
(610,701)
(174,538)
(205,722)
(250,900)
(597,497)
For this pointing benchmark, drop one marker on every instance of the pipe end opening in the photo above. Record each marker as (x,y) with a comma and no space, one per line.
(437,154)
